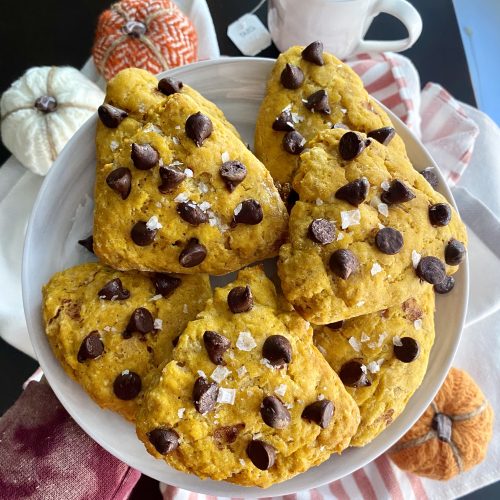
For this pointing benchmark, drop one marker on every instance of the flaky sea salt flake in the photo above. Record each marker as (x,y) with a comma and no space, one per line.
(383,209)
(153,223)
(220,373)
(373,367)
(385,185)
(417,324)
(415,258)
(364,337)
(376,268)
(245,342)
(226,396)
(158,324)
(396,340)
(350,218)
(355,344)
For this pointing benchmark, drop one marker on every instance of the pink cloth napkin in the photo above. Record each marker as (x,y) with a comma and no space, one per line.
(45,455)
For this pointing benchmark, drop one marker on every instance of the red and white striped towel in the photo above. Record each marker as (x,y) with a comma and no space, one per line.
(449,135)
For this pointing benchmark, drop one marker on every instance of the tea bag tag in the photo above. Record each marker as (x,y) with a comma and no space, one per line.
(249,34)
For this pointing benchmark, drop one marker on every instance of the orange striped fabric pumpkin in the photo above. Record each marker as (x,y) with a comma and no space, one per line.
(149,34)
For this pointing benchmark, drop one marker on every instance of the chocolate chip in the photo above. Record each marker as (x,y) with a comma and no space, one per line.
(216,345)
(248,212)
(431,177)
(88,243)
(354,192)
(314,53)
(340,125)
(318,101)
(169,86)
(141,234)
(91,347)
(389,240)
(336,326)
(353,374)
(120,180)
(141,321)
(398,192)
(232,172)
(284,121)
(111,116)
(445,286)
(193,254)
(293,143)
(170,179)
(431,269)
(277,350)
(240,299)
(383,135)
(351,145)
(165,284)
(192,213)
(443,425)
(228,434)
(127,385)
(261,454)
(343,263)
(144,156)
(164,440)
(204,395)
(198,127)
(454,252)
(319,412)
(292,77)
(408,351)
(134,29)
(113,290)
(440,214)
(46,104)
(321,231)
(274,413)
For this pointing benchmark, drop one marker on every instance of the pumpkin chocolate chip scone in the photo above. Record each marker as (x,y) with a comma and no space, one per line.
(381,358)
(308,91)
(247,397)
(176,190)
(367,233)
(110,329)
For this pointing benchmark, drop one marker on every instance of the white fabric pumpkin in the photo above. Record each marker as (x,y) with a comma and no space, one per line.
(42,110)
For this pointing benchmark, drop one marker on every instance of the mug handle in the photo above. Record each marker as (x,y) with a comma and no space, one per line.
(407,14)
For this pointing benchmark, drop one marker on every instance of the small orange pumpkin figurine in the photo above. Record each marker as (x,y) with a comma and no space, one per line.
(150,34)
(452,435)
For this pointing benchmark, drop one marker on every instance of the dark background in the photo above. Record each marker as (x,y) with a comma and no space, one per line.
(60,32)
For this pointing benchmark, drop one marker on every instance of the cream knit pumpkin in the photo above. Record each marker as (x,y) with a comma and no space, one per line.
(42,110)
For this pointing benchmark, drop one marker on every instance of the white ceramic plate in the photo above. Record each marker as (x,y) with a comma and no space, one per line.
(236,85)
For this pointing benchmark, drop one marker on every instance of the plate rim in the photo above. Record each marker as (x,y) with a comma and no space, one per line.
(248,492)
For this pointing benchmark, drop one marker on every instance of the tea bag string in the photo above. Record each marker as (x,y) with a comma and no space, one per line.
(258,6)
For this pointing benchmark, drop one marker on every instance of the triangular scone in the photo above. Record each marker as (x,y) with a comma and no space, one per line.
(165,202)
(381,358)
(318,276)
(208,419)
(109,335)
(347,101)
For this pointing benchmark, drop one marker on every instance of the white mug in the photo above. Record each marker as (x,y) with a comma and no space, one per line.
(339,24)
